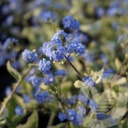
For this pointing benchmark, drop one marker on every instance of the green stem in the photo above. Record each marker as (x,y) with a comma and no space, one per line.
(12,93)
(59,99)
(50,122)
(14,89)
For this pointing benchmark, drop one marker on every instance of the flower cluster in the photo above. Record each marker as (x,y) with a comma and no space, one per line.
(47,16)
(62,45)
(41,97)
(61,48)
(83,100)
(76,116)
(70,23)
(71,115)
(7,53)
(29,56)
(89,81)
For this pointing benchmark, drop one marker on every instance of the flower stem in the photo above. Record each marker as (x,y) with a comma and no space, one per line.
(14,89)
(12,93)
(79,74)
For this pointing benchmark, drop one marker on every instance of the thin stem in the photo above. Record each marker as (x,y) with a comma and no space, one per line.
(12,93)
(67,124)
(74,67)
(52,117)
(14,89)
(59,99)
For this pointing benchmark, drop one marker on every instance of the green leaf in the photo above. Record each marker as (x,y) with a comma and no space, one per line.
(4,114)
(13,72)
(116,89)
(12,117)
(32,121)
(62,125)
(3,117)
(125,125)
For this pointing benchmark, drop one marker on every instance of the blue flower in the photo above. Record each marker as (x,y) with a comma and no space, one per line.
(89,57)
(101,116)
(41,97)
(93,105)
(62,116)
(3,58)
(29,56)
(83,98)
(60,35)
(48,79)
(44,66)
(26,98)
(71,47)
(35,81)
(80,50)
(60,73)
(58,55)
(84,38)
(48,16)
(75,46)
(19,110)
(100,12)
(9,41)
(104,58)
(89,81)
(73,116)
(70,23)
(54,50)
(72,100)
(107,73)
(81,110)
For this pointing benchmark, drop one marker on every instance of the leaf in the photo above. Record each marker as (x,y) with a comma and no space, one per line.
(13,72)
(116,89)
(4,114)
(12,117)
(3,117)
(32,121)
(62,125)
(117,63)
(125,125)
(78,84)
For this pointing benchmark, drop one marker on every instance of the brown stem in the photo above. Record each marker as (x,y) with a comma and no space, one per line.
(74,67)
(67,124)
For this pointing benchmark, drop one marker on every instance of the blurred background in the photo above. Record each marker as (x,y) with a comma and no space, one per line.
(103,30)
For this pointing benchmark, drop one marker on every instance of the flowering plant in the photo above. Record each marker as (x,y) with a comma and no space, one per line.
(69,77)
